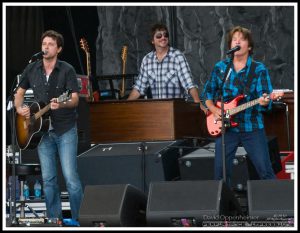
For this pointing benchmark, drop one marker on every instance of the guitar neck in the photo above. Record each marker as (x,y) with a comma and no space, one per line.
(123,79)
(89,73)
(42,112)
(244,106)
(88,64)
(124,66)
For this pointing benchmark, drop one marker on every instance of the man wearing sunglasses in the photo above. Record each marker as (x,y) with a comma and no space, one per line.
(165,71)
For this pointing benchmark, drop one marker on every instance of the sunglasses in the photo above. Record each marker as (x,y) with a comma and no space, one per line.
(160,35)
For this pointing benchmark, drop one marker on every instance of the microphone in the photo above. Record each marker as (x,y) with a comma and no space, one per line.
(234,49)
(39,54)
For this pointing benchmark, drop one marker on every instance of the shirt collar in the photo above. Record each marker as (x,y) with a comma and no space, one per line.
(57,64)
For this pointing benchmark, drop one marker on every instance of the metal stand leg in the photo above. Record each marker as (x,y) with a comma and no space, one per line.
(287,125)
(22,207)
(23,204)
(22,200)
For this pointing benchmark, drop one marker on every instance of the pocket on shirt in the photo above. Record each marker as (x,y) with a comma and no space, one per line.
(38,90)
(36,87)
(151,78)
(59,89)
(171,78)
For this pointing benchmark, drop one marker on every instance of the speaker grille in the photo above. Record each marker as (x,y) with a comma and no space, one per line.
(112,194)
(184,196)
(113,205)
(177,203)
(271,198)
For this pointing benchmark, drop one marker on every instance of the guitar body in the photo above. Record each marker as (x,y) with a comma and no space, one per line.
(30,131)
(231,108)
(215,127)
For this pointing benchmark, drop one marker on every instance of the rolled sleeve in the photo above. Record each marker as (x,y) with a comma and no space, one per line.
(142,81)
(185,74)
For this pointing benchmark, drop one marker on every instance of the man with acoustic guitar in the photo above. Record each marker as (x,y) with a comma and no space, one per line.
(50,78)
(251,79)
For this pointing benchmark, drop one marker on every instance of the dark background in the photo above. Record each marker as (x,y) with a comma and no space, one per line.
(25,26)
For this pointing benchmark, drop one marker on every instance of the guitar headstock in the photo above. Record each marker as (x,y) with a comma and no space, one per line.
(64,96)
(276,95)
(84,45)
(124,53)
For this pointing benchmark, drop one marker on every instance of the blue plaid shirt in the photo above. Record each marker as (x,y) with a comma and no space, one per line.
(170,78)
(236,84)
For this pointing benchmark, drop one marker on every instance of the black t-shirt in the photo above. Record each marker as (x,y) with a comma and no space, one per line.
(62,78)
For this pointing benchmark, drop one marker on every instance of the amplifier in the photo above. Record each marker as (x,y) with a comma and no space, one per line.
(124,163)
(199,165)
(84,85)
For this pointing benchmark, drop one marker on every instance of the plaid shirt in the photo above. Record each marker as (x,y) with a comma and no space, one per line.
(169,78)
(251,118)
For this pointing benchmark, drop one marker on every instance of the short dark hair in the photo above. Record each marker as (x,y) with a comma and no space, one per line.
(160,27)
(246,33)
(55,36)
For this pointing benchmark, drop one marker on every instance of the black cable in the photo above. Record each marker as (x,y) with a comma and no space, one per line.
(74,36)
(143,148)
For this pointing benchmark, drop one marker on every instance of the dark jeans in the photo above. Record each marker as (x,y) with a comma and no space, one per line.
(256,146)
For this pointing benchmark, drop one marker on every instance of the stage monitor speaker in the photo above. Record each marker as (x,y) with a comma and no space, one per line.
(199,165)
(120,205)
(124,163)
(189,203)
(273,199)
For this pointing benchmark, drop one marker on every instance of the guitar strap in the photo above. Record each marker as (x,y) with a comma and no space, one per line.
(251,75)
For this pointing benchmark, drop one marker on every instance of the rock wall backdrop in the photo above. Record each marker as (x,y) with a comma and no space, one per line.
(200,33)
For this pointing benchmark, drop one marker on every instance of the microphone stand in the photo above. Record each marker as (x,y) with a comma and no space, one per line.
(223,120)
(12,217)
(12,206)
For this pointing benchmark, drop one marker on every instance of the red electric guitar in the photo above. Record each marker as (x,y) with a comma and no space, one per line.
(230,108)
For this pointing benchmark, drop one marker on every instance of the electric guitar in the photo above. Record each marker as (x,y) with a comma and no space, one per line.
(85,47)
(29,131)
(124,57)
(230,109)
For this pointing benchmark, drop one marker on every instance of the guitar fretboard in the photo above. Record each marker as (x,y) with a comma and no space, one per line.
(89,72)
(64,97)
(243,106)
(41,112)
(88,62)
(124,57)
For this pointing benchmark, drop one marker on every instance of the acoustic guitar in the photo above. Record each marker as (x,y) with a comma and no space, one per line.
(29,131)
